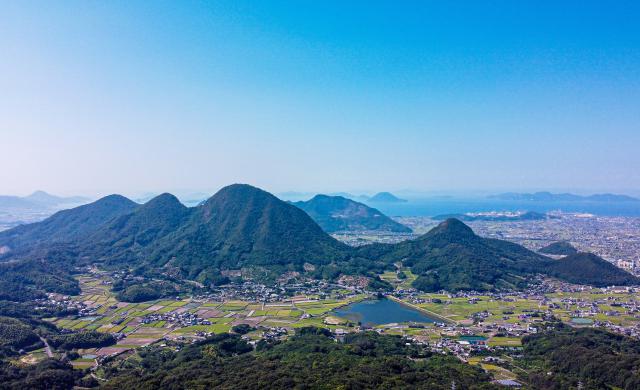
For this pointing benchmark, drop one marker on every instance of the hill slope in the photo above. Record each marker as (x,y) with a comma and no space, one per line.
(243,226)
(67,225)
(125,236)
(587,268)
(452,257)
(336,213)
(560,248)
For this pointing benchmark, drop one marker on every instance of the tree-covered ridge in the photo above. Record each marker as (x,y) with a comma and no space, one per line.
(50,374)
(15,335)
(452,257)
(67,225)
(141,292)
(26,280)
(311,359)
(243,226)
(567,358)
(336,213)
(587,268)
(86,339)
(142,227)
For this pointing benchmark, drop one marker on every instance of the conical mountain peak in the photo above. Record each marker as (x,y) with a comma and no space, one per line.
(453,227)
(239,191)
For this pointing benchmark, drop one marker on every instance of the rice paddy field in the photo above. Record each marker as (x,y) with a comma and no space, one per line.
(513,310)
(128,319)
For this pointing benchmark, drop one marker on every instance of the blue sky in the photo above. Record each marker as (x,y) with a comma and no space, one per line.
(130,97)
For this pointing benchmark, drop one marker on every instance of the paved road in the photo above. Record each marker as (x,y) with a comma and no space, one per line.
(47,348)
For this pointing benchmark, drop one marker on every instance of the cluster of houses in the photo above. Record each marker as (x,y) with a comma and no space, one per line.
(181,319)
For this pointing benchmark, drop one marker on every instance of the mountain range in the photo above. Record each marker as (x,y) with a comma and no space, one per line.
(337,213)
(244,228)
(239,227)
(565,197)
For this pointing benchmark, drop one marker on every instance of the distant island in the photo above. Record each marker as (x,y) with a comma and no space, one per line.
(19,210)
(564,197)
(494,216)
(39,200)
(385,197)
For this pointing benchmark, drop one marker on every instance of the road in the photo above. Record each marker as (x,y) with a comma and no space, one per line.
(47,348)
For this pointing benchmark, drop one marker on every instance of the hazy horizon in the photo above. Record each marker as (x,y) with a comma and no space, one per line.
(190,195)
(116,97)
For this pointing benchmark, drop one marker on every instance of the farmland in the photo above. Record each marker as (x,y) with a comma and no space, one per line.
(141,324)
(501,319)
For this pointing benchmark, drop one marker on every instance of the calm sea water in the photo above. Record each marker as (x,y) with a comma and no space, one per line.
(437,206)
(381,311)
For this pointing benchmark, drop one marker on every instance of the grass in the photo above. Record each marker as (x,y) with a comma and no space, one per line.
(505,342)
(215,328)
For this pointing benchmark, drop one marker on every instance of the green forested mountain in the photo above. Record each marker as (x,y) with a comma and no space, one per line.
(239,227)
(560,248)
(336,213)
(587,268)
(125,239)
(243,226)
(67,225)
(452,257)
(147,223)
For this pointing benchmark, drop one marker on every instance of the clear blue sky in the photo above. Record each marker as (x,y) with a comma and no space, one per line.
(120,96)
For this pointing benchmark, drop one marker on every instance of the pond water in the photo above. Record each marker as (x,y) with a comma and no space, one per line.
(373,312)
